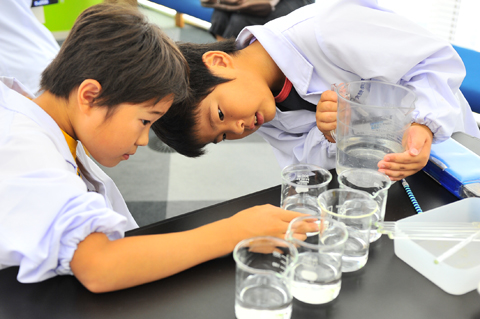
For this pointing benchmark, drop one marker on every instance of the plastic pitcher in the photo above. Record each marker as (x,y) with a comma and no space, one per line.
(372,118)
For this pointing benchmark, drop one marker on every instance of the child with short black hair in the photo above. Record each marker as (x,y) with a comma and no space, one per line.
(114,76)
(275,80)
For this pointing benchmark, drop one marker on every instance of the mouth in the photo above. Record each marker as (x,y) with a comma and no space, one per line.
(259,120)
(127,156)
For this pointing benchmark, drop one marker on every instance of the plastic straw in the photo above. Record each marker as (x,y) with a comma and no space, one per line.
(446,231)
(456,248)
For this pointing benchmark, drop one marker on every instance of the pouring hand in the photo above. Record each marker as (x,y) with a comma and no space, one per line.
(417,142)
(326,114)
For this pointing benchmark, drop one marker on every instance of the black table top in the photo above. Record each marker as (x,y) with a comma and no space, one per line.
(385,288)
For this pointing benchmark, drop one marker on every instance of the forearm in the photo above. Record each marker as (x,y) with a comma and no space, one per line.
(103,265)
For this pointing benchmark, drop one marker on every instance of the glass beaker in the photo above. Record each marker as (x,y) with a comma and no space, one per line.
(301,185)
(373,182)
(263,278)
(355,209)
(317,274)
(372,118)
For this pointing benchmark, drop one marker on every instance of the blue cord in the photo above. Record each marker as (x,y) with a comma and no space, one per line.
(411,196)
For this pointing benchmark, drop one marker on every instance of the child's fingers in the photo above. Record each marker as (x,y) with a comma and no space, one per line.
(328,96)
(398,175)
(306,227)
(300,237)
(401,165)
(288,215)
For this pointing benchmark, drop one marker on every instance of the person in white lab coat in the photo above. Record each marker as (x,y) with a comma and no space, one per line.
(60,213)
(26,45)
(275,80)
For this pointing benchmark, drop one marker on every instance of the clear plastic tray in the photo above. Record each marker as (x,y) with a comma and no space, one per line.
(458,274)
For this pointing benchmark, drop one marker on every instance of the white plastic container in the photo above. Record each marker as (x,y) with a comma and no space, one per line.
(458,274)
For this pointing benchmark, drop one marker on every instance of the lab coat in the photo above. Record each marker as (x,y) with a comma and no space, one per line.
(46,208)
(349,40)
(26,45)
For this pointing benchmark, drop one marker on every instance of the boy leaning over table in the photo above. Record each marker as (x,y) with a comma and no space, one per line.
(275,80)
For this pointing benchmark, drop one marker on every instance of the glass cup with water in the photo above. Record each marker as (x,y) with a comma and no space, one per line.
(301,185)
(373,182)
(263,278)
(356,210)
(372,118)
(317,274)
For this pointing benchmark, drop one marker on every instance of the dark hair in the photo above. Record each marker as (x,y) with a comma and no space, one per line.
(177,128)
(132,59)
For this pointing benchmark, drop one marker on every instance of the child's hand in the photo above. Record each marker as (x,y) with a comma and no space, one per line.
(417,142)
(327,114)
(265,220)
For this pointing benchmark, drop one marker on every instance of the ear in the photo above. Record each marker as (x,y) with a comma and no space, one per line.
(87,92)
(217,60)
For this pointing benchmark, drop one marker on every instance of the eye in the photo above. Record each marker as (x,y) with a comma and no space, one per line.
(224,137)
(145,122)
(220,115)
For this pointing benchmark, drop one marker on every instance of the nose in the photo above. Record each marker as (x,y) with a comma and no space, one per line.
(238,127)
(143,138)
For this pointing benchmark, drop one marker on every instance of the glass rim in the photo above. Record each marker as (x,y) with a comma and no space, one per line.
(313,246)
(330,213)
(410,91)
(244,243)
(324,171)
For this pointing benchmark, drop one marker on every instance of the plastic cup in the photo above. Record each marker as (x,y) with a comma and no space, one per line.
(301,185)
(373,182)
(355,209)
(263,278)
(317,274)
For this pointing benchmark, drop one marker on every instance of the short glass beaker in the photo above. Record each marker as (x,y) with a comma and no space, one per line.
(263,278)
(373,182)
(372,118)
(301,185)
(355,209)
(317,274)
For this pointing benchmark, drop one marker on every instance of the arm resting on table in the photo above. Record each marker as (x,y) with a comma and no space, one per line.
(102,265)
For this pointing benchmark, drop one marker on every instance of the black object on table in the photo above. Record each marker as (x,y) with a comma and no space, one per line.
(385,288)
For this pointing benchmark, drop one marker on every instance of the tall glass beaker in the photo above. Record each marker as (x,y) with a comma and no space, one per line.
(372,118)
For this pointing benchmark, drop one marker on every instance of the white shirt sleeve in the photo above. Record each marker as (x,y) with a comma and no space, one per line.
(46,209)
(380,45)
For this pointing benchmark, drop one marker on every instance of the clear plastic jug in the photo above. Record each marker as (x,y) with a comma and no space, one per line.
(372,118)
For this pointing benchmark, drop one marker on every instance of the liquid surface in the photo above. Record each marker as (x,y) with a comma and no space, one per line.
(263,296)
(317,278)
(363,152)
